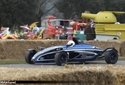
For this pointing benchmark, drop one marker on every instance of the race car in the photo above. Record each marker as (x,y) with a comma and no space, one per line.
(71,52)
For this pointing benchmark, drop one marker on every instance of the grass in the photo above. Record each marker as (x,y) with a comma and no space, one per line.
(12,61)
(22,61)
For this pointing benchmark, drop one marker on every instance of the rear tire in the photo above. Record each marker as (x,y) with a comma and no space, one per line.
(29,54)
(61,58)
(111,56)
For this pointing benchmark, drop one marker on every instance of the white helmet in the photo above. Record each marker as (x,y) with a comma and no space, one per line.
(71,43)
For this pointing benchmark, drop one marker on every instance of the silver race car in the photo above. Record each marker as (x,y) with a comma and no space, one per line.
(78,52)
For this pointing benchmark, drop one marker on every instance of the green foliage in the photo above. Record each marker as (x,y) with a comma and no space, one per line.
(70,8)
(14,13)
(17,12)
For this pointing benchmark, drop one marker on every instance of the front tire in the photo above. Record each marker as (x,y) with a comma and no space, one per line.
(111,56)
(61,58)
(29,54)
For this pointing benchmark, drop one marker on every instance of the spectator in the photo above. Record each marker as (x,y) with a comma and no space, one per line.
(90,30)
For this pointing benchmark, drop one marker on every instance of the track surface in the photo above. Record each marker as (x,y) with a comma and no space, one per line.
(44,66)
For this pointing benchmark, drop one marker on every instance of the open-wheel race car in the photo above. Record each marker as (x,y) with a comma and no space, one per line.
(71,52)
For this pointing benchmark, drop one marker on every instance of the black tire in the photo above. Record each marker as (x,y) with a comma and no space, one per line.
(111,56)
(29,54)
(61,58)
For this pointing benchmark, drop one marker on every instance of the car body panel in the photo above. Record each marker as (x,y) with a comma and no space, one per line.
(79,52)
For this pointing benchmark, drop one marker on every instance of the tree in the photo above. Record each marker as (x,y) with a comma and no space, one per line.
(70,8)
(17,12)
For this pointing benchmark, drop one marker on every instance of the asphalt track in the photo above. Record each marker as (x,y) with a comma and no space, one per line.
(52,65)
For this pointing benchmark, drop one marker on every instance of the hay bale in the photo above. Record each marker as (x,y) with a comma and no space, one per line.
(122,49)
(80,74)
(15,49)
(105,44)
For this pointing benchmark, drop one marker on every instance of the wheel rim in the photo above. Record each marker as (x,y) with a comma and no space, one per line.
(63,59)
(113,57)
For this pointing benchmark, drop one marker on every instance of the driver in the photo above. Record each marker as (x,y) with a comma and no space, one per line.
(72,42)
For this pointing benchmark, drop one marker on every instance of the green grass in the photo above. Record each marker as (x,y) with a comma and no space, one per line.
(121,57)
(12,61)
(22,61)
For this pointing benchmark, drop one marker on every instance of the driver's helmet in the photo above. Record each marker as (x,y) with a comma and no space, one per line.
(71,43)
